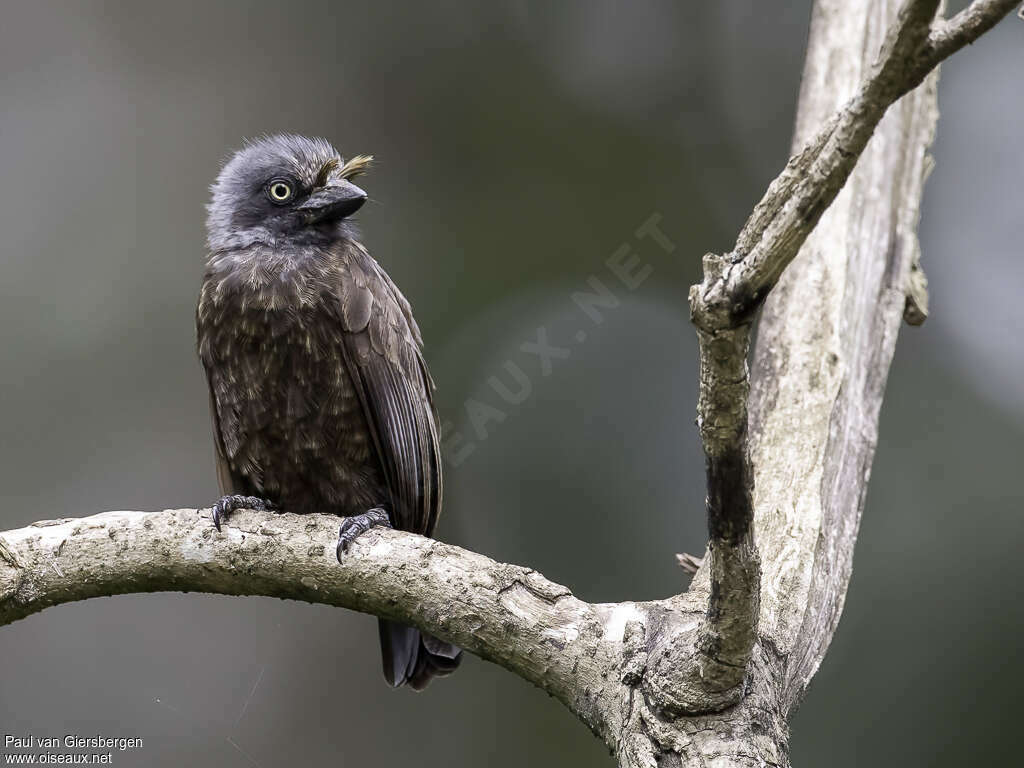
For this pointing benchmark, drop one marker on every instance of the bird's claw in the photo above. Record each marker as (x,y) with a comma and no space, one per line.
(357,525)
(228,504)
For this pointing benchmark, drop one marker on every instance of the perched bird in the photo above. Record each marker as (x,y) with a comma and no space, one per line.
(320,396)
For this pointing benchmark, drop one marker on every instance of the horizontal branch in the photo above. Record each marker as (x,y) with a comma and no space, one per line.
(589,656)
(494,610)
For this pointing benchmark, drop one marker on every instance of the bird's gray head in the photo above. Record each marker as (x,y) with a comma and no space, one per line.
(282,191)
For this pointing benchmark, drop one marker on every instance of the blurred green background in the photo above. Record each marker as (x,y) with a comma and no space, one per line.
(518,145)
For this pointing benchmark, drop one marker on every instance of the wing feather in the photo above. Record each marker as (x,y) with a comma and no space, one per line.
(386,364)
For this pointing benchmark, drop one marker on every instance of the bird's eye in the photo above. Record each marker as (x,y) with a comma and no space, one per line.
(280,191)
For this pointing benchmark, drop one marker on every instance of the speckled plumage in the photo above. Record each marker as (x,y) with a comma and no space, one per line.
(320,396)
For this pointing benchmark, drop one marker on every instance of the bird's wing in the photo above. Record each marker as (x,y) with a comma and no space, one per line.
(225,432)
(230,482)
(381,345)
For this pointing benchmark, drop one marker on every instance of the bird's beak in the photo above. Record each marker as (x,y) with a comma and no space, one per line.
(336,200)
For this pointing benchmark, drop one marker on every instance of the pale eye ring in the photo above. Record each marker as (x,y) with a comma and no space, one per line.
(280,191)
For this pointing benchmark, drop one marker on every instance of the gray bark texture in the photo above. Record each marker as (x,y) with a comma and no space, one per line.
(709,677)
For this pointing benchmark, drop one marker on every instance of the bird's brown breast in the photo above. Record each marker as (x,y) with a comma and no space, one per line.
(290,419)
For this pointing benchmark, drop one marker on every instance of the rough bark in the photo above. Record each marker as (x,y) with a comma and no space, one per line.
(711,676)
(590,656)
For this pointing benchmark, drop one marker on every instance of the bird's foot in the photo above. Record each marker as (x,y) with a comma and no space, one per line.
(228,504)
(355,526)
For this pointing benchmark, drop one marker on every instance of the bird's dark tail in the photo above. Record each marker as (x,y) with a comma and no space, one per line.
(413,658)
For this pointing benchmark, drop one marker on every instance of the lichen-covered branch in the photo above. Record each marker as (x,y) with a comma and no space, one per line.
(592,657)
(497,611)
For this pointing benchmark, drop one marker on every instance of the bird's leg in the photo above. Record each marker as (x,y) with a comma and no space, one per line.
(228,504)
(357,525)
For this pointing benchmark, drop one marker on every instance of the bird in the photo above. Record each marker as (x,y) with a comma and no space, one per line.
(320,396)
